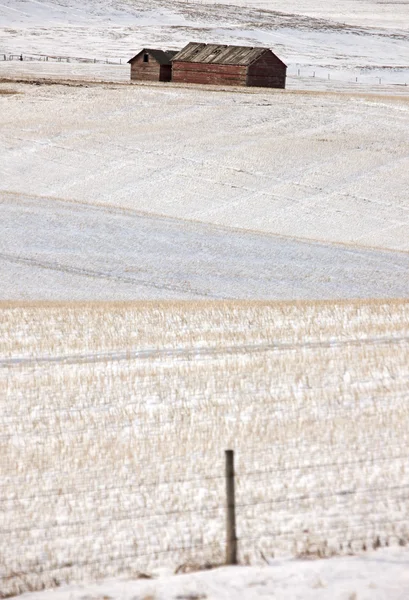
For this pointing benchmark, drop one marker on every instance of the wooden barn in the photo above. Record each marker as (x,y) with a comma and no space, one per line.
(152,65)
(228,65)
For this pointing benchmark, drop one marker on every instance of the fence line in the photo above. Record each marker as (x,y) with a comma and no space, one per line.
(378,528)
(110,558)
(128,516)
(342,529)
(55,58)
(361,79)
(293,72)
(171,550)
(239,475)
(188,548)
(213,509)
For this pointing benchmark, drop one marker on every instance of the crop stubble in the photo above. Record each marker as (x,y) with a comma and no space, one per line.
(114,419)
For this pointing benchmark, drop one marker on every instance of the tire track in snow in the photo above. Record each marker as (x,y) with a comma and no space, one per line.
(197,352)
(15,10)
(101,275)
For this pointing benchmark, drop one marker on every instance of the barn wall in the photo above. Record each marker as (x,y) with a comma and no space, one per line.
(214,74)
(267,71)
(141,71)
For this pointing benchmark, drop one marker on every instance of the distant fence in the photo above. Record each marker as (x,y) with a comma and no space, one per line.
(400,76)
(54,58)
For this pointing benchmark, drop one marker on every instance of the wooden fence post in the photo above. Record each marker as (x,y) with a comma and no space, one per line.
(231,539)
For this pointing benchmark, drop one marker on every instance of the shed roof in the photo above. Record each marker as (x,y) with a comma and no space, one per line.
(219,54)
(163,57)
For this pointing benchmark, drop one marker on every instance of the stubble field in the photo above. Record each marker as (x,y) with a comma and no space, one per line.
(123,471)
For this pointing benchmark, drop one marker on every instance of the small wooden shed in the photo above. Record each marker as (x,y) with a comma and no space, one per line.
(151,64)
(228,65)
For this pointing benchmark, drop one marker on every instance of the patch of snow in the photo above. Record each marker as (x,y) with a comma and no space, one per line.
(381,575)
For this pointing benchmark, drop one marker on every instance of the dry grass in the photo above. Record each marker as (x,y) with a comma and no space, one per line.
(7,92)
(100,403)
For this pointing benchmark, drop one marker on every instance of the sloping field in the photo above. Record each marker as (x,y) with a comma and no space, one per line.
(346,39)
(361,12)
(60,250)
(327,167)
(153,192)
(315,167)
(114,419)
(376,13)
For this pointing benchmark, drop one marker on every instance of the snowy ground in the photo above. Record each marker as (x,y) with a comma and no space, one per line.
(123,471)
(373,576)
(114,418)
(346,40)
(93,198)
(371,82)
(63,250)
(371,13)
(300,166)
(304,165)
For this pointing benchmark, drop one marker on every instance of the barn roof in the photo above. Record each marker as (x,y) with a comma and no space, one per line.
(163,57)
(219,54)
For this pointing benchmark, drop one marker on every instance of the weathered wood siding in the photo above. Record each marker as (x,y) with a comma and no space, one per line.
(214,74)
(145,71)
(150,71)
(267,71)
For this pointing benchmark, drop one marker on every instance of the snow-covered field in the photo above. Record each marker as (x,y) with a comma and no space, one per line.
(110,197)
(345,40)
(123,471)
(114,417)
(371,13)
(56,249)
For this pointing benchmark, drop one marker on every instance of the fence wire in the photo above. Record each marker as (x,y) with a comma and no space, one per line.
(323,520)
(294,72)
(56,58)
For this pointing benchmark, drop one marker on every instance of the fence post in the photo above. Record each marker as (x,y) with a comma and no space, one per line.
(231,539)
